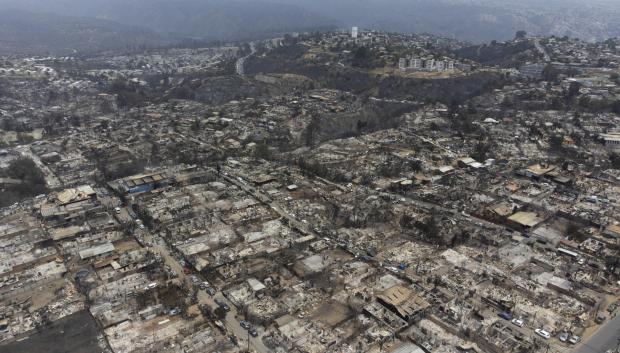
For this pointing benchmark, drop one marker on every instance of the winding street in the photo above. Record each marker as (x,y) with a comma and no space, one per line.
(542,50)
(240,65)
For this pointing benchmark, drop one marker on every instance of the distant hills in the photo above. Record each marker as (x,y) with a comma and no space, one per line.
(24,32)
(169,20)
(478,20)
(91,24)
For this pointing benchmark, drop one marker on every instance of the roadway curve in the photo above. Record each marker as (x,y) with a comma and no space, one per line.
(240,65)
(607,337)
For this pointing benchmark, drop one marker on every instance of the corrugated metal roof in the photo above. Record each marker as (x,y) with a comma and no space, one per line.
(613,229)
(96,250)
(529,219)
(408,348)
(63,233)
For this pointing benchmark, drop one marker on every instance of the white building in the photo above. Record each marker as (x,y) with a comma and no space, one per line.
(354,32)
(402,64)
(429,64)
(612,141)
(415,64)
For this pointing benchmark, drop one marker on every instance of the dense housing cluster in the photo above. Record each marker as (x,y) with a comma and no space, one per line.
(303,194)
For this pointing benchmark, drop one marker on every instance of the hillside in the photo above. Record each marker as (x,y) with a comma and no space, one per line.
(477,20)
(473,20)
(509,54)
(361,82)
(24,32)
(211,19)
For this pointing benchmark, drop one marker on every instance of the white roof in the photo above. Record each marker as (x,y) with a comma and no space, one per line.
(254,236)
(408,348)
(468,160)
(96,250)
(445,168)
(255,284)
(611,137)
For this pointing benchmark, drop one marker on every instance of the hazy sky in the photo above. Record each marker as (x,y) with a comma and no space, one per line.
(478,20)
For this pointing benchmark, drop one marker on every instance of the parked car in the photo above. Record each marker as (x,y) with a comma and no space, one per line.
(225,307)
(574,339)
(563,337)
(505,315)
(246,325)
(518,322)
(542,333)
(220,325)
(150,286)
(211,291)
(253,332)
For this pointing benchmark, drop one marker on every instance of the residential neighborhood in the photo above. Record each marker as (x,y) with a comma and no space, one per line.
(344,191)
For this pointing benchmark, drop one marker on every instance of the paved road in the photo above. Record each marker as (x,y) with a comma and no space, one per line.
(240,65)
(432,142)
(607,337)
(542,50)
(232,324)
(429,206)
(293,222)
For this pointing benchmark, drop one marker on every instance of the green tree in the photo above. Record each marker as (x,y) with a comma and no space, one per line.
(520,34)
(262,151)
(573,89)
(311,132)
(31,177)
(219,313)
(362,57)
(555,142)
(154,151)
(614,158)
(481,151)
(550,73)
(429,228)
(195,125)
